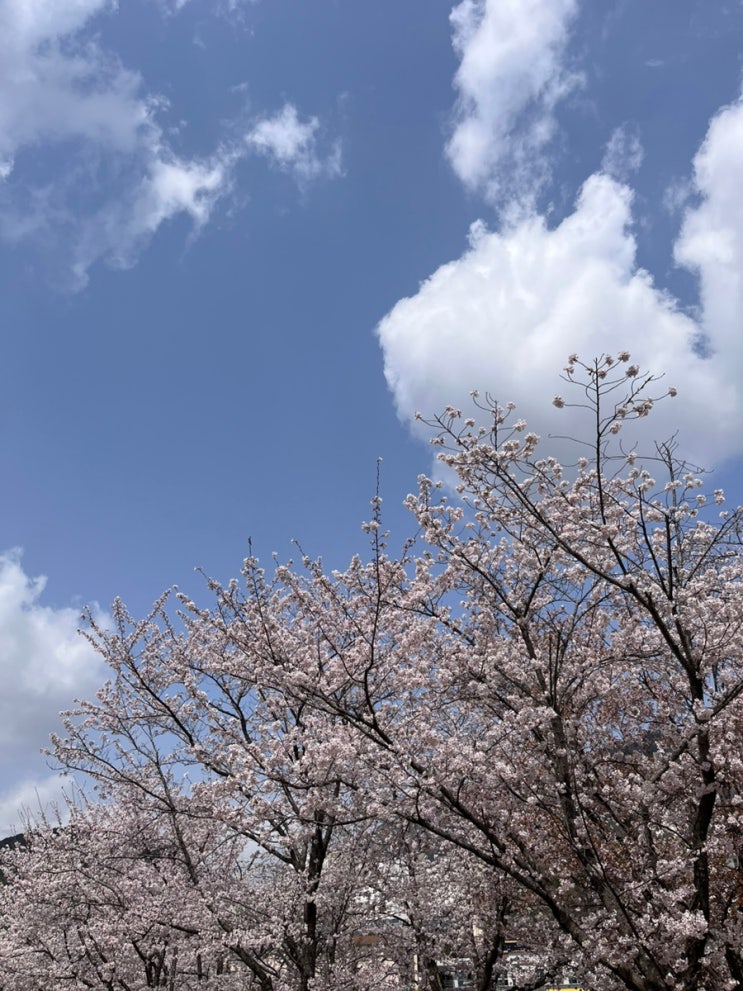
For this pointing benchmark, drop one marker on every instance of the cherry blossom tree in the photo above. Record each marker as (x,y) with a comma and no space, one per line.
(118,899)
(523,731)
(565,703)
(195,727)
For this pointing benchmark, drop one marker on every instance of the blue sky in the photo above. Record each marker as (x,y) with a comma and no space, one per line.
(242,242)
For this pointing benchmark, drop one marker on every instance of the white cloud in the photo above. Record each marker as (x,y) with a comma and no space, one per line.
(506,314)
(44,665)
(62,91)
(44,662)
(711,240)
(174,186)
(116,178)
(54,92)
(509,81)
(623,154)
(292,145)
(119,230)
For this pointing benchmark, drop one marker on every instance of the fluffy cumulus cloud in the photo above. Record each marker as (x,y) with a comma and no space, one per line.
(44,665)
(520,299)
(510,78)
(504,317)
(116,178)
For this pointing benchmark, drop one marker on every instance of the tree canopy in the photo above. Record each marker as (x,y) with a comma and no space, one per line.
(513,748)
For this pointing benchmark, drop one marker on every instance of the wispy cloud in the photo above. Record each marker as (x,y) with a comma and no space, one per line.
(292,145)
(59,85)
(623,154)
(222,6)
(116,177)
(119,230)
